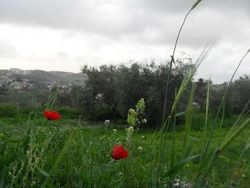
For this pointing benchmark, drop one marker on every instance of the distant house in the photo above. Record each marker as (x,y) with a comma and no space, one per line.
(16,85)
(21,84)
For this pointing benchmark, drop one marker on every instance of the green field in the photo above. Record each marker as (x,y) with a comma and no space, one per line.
(70,153)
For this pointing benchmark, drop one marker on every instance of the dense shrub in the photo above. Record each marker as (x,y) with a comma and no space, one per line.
(111,90)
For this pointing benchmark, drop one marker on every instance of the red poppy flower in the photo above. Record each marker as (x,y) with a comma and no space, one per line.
(119,152)
(51,115)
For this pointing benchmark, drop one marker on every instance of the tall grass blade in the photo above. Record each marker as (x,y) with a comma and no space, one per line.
(188,123)
(164,123)
(230,135)
(204,137)
(173,149)
(172,60)
(229,85)
(228,139)
(223,114)
(207,105)
(195,4)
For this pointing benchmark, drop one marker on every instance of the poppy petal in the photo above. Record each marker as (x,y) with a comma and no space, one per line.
(119,152)
(51,115)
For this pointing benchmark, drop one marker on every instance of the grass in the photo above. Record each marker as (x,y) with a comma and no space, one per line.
(67,154)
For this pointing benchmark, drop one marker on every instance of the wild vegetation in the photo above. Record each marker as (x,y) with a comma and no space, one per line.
(190,146)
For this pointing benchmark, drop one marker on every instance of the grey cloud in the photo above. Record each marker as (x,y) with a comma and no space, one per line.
(232,5)
(73,15)
(145,21)
(184,5)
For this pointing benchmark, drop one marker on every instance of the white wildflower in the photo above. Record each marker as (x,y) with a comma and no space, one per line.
(140,148)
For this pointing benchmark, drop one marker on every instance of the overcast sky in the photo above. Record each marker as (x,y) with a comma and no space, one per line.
(66,34)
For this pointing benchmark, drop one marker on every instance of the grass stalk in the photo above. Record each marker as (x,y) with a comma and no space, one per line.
(188,123)
(207,145)
(164,121)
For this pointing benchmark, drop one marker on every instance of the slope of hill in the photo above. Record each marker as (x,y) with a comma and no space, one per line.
(44,76)
(18,78)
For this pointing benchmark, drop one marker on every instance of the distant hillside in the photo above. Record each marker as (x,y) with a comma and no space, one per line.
(45,76)
(62,77)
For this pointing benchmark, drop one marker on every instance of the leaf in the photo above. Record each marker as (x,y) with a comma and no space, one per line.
(131,120)
(225,158)
(43,172)
(140,106)
(180,114)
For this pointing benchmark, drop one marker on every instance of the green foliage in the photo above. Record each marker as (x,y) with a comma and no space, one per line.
(136,116)
(8,110)
(132,117)
(120,87)
(140,106)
